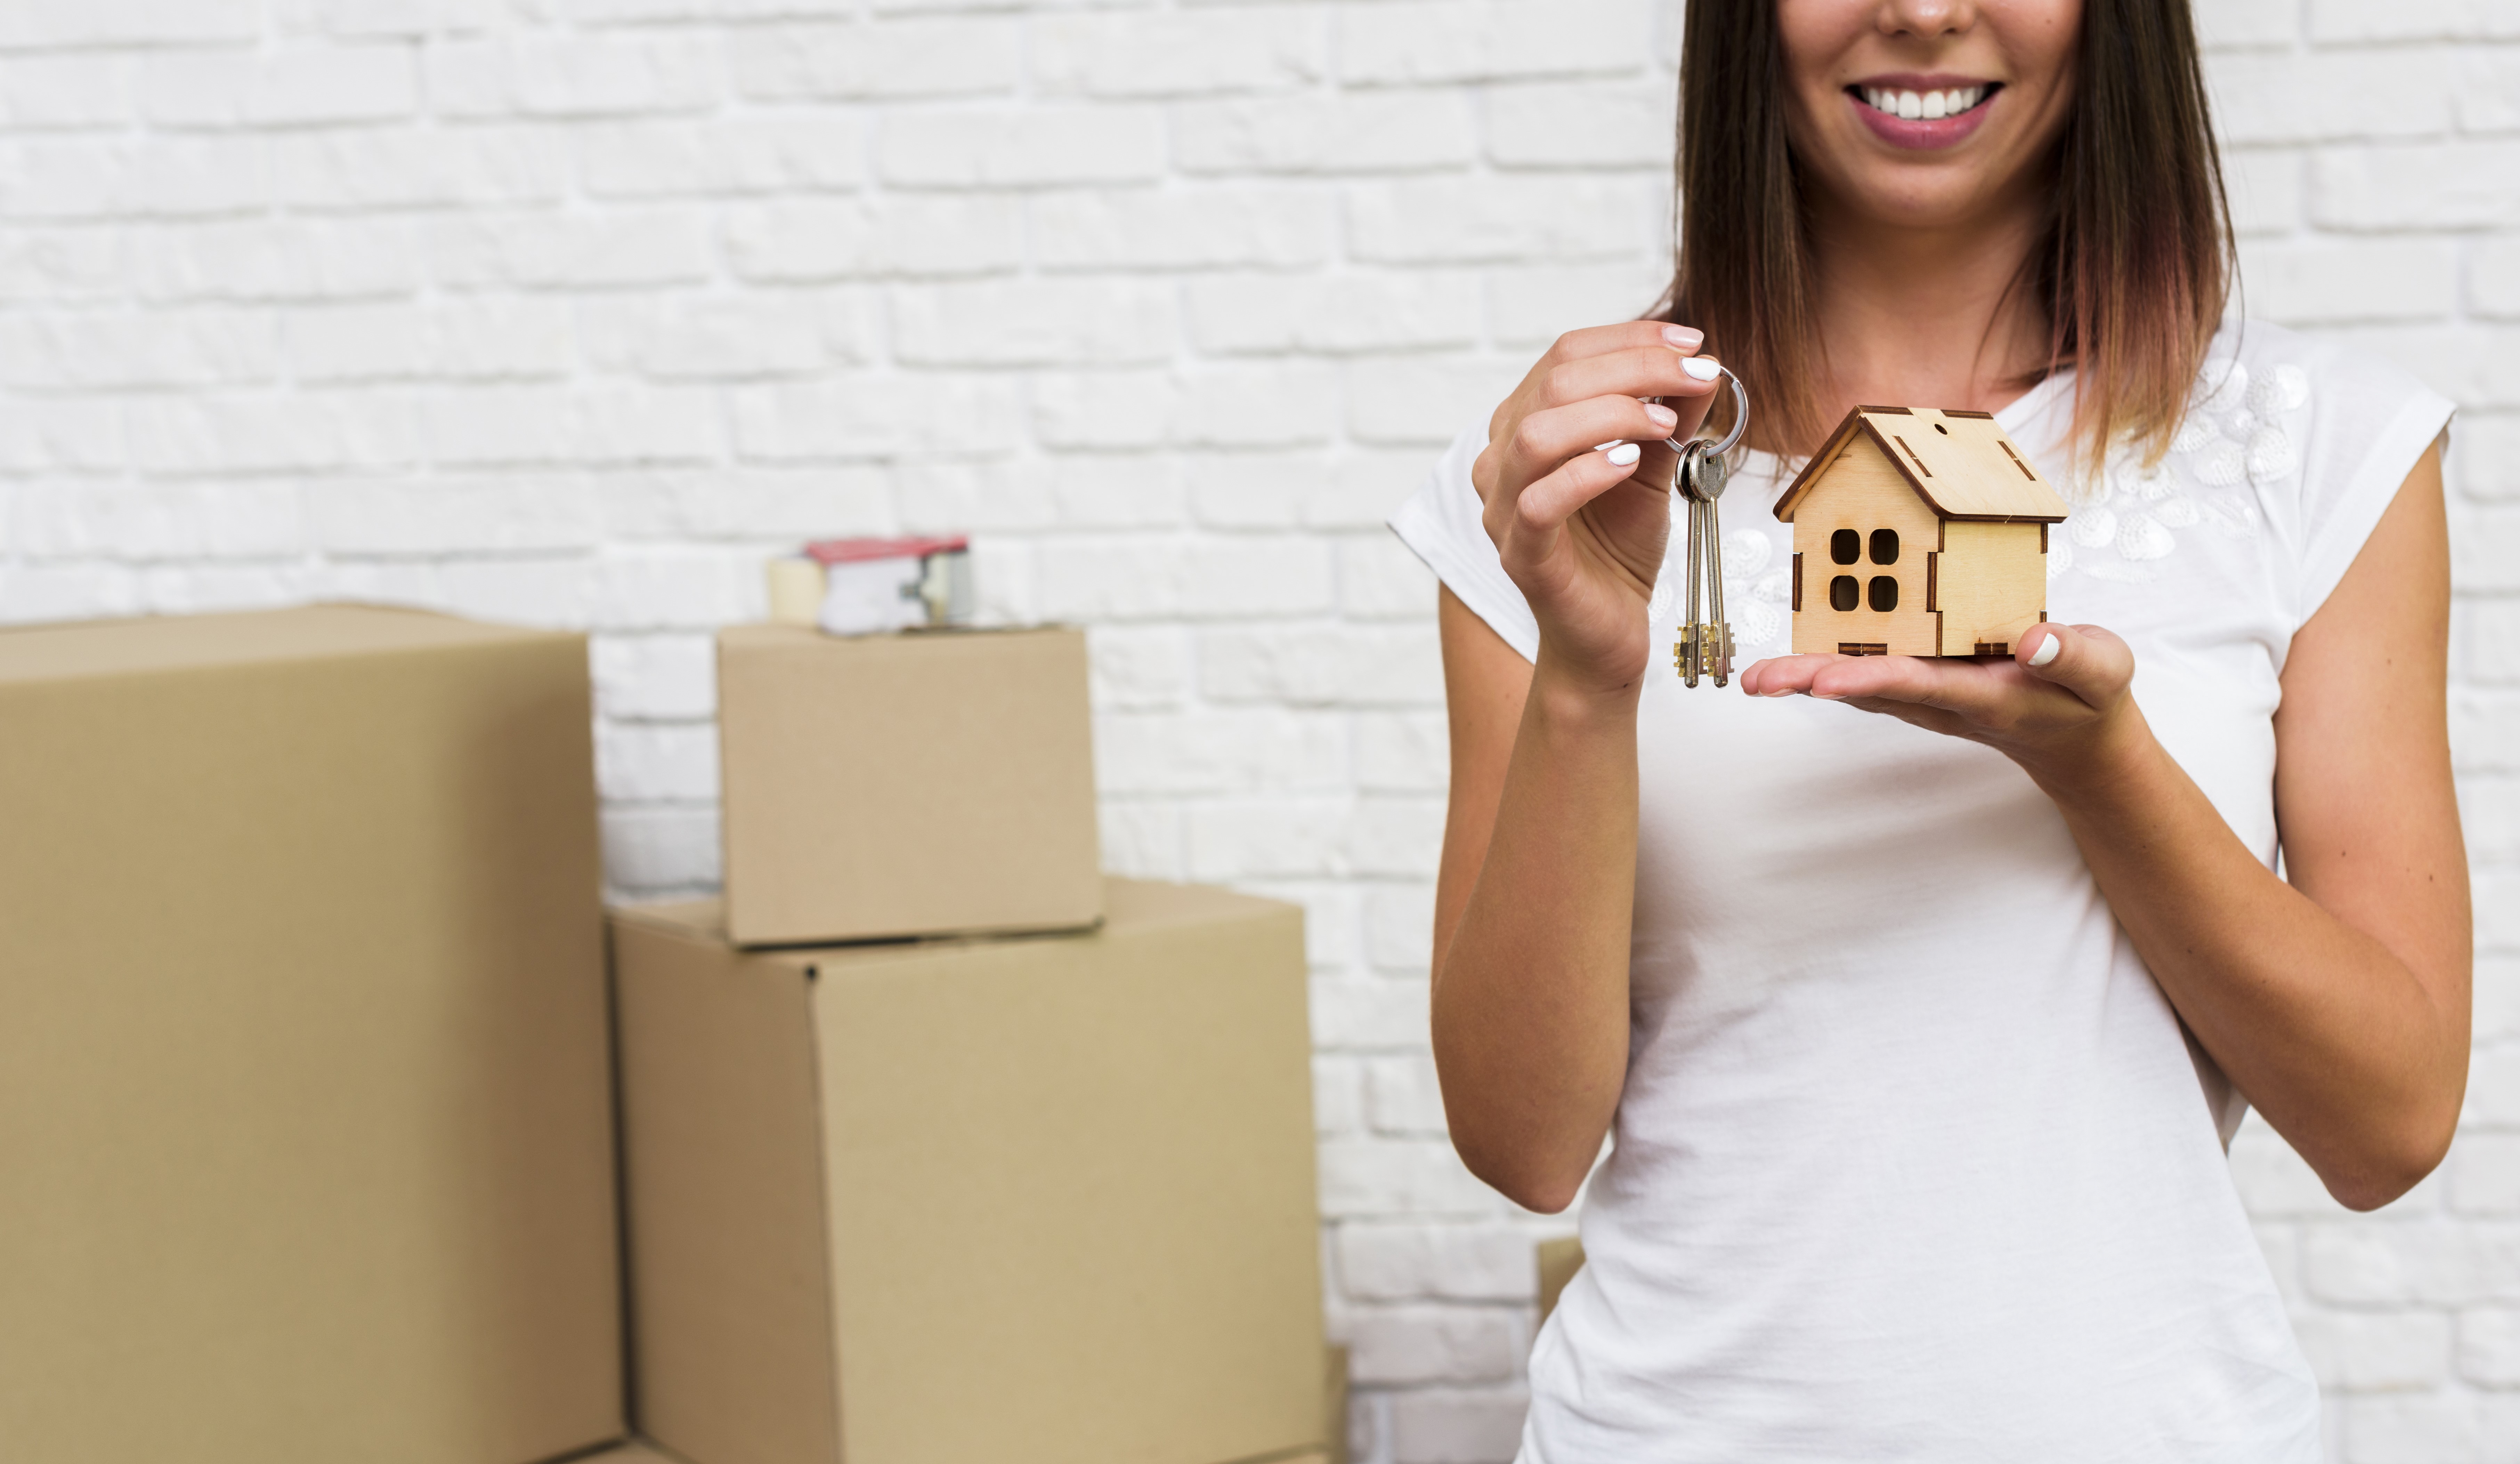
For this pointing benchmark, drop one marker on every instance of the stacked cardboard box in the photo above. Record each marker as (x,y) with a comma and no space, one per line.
(971,1194)
(306,1114)
(924,784)
(304,1109)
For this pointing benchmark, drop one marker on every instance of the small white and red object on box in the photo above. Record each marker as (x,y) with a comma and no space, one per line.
(869,586)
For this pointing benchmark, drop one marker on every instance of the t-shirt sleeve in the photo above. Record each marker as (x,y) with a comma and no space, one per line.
(2369,423)
(1441,525)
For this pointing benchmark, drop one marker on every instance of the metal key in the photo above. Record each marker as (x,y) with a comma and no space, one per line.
(1705,645)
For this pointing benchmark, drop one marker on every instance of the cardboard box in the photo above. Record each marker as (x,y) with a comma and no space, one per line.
(1557,1260)
(1335,1407)
(906,785)
(304,1104)
(1048,1199)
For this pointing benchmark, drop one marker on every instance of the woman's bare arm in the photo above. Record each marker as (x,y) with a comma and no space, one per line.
(1532,912)
(1538,875)
(2338,1004)
(2341,1005)
(1485,681)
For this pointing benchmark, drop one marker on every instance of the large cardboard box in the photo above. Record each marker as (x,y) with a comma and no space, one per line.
(1048,1199)
(906,785)
(305,1138)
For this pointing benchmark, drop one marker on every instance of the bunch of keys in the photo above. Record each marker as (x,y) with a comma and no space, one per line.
(1705,645)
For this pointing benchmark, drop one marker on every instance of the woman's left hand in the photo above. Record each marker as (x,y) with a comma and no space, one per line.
(2058,706)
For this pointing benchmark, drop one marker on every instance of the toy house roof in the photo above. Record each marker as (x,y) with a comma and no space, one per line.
(1960,463)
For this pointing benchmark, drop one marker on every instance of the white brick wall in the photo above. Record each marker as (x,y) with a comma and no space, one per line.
(567,311)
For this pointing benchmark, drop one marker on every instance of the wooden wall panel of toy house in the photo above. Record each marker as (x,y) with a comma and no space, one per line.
(1864,566)
(1994,571)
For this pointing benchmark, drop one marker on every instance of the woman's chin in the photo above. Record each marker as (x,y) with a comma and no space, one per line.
(1940,201)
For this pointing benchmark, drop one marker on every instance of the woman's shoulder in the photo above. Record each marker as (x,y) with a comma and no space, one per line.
(1443,524)
(2317,433)
(2271,371)
(2283,410)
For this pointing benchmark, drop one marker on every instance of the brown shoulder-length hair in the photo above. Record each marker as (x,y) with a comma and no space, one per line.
(2132,269)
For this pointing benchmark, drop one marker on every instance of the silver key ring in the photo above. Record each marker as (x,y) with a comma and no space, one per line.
(1741,416)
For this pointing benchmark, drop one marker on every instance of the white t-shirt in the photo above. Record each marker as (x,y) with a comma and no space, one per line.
(1914,1160)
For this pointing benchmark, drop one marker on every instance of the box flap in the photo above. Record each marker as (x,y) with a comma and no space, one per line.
(166,643)
(722,1180)
(1155,904)
(774,636)
(693,919)
(1130,906)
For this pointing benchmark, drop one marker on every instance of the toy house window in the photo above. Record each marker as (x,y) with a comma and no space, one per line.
(1844,546)
(1843,589)
(1885,546)
(1882,593)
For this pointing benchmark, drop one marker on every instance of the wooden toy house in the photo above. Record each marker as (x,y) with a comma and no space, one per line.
(1919,533)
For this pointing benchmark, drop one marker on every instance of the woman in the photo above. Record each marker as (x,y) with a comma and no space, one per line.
(1921,1019)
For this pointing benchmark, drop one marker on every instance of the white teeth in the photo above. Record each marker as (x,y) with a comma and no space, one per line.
(1927,106)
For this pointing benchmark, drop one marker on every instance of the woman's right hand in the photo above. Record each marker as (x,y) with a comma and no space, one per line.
(1582,531)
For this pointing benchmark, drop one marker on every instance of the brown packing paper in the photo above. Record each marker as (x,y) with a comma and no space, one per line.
(1048,1198)
(303,1098)
(905,785)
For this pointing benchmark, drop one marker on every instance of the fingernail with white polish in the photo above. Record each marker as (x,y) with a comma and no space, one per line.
(1701,368)
(2048,650)
(1624,454)
(1661,416)
(1684,337)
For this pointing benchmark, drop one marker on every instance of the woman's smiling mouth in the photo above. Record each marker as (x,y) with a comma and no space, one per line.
(1922,112)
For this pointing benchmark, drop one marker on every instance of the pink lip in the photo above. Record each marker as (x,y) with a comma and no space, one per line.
(1920,133)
